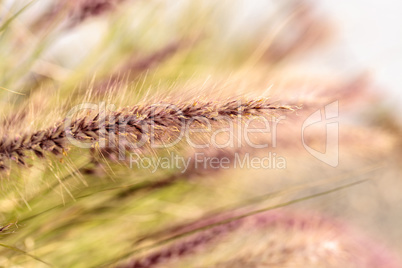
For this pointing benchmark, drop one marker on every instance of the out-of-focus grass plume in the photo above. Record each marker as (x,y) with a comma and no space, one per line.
(220,63)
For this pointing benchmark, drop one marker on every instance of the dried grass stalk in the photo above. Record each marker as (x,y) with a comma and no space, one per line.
(123,128)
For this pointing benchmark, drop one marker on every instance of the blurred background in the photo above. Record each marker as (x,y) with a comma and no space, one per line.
(368,36)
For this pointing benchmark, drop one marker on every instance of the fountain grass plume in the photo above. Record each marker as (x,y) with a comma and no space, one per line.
(87,82)
(155,121)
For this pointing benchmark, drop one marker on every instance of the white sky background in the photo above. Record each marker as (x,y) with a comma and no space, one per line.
(371,31)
